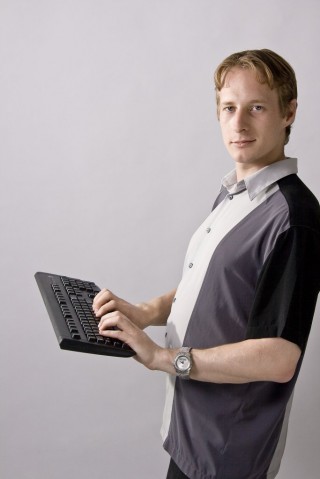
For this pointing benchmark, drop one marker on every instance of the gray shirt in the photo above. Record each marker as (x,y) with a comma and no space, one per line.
(250,272)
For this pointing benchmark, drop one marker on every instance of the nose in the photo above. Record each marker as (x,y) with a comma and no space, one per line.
(240,120)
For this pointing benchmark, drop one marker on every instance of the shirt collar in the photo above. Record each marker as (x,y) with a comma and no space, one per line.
(262,179)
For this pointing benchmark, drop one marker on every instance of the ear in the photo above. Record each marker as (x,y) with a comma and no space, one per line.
(291,112)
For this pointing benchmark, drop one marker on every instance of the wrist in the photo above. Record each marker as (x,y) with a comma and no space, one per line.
(146,315)
(183,362)
(167,360)
(164,360)
(156,311)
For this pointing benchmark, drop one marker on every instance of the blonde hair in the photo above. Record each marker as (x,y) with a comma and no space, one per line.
(270,68)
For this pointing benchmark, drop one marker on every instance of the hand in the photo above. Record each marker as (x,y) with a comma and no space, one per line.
(106,302)
(147,352)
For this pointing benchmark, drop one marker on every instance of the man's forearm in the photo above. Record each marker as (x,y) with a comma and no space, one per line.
(269,359)
(157,310)
(152,313)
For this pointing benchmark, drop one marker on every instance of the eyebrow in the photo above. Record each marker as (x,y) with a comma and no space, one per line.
(228,103)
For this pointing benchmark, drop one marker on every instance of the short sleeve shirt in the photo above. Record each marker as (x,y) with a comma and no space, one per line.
(251,271)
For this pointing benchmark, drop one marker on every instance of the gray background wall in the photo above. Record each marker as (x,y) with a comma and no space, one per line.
(110,157)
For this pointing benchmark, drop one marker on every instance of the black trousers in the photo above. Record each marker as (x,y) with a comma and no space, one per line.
(174,472)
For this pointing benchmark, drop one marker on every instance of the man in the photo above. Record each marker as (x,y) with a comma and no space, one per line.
(248,292)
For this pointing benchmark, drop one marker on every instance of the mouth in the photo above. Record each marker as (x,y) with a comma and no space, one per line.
(242,143)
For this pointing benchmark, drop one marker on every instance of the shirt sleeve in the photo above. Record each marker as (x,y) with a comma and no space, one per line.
(287,288)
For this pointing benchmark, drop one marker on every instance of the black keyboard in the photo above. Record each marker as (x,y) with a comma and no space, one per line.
(69,305)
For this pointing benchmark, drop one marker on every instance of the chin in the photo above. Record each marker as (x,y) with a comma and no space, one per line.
(244,160)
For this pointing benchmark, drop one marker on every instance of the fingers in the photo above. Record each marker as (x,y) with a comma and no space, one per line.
(103,296)
(104,302)
(116,325)
(111,320)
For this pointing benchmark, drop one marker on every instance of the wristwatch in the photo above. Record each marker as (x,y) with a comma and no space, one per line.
(183,363)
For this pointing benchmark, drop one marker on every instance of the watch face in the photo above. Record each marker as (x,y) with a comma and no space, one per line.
(183,363)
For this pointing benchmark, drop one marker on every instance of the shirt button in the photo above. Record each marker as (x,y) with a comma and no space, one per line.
(208,230)
(190,265)
(230,197)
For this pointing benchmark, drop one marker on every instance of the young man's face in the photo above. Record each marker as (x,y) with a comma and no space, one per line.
(253,128)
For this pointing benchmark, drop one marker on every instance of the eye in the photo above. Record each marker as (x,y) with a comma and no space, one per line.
(257,108)
(229,109)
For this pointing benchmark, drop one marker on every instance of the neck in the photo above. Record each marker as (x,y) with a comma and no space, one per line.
(245,170)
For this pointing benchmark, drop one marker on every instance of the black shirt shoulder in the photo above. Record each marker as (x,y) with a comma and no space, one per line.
(304,209)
